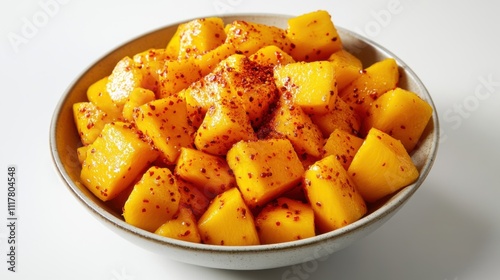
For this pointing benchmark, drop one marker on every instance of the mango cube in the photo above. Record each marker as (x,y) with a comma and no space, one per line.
(343,146)
(200,36)
(284,220)
(224,124)
(153,201)
(374,81)
(249,37)
(271,56)
(390,169)
(228,221)
(313,35)
(291,122)
(183,226)
(332,194)
(165,121)
(264,169)
(89,120)
(400,113)
(210,174)
(115,159)
(347,67)
(342,116)
(310,85)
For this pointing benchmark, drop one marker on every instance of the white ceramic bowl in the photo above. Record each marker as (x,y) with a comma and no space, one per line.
(64,141)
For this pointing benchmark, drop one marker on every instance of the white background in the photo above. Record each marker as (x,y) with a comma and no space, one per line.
(450,229)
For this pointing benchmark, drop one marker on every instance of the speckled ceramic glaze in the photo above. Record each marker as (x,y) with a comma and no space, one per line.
(64,141)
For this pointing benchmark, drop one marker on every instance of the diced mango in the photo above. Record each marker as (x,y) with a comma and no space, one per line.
(183,226)
(192,197)
(115,159)
(228,221)
(249,37)
(153,201)
(98,94)
(332,194)
(138,97)
(271,56)
(390,167)
(264,169)
(200,36)
(313,35)
(123,79)
(151,63)
(291,122)
(342,116)
(373,82)
(89,120)
(400,113)
(343,146)
(347,67)
(209,60)
(176,76)
(224,124)
(174,45)
(165,121)
(310,85)
(210,174)
(81,153)
(235,78)
(285,220)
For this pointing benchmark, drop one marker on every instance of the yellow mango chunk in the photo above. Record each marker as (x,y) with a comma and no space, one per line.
(176,76)
(271,55)
(236,78)
(310,85)
(81,153)
(174,45)
(210,174)
(347,67)
(249,37)
(192,197)
(115,159)
(228,221)
(151,63)
(123,79)
(264,169)
(209,60)
(342,116)
(343,146)
(313,35)
(373,82)
(285,220)
(89,120)
(98,94)
(400,113)
(381,166)
(200,36)
(224,124)
(291,122)
(138,97)
(153,201)
(165,121)
(183,226)
(332,194)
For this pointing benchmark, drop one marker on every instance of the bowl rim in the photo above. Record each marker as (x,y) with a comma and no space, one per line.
(382,212)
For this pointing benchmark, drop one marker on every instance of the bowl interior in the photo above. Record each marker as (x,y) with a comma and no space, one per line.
(64,141)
